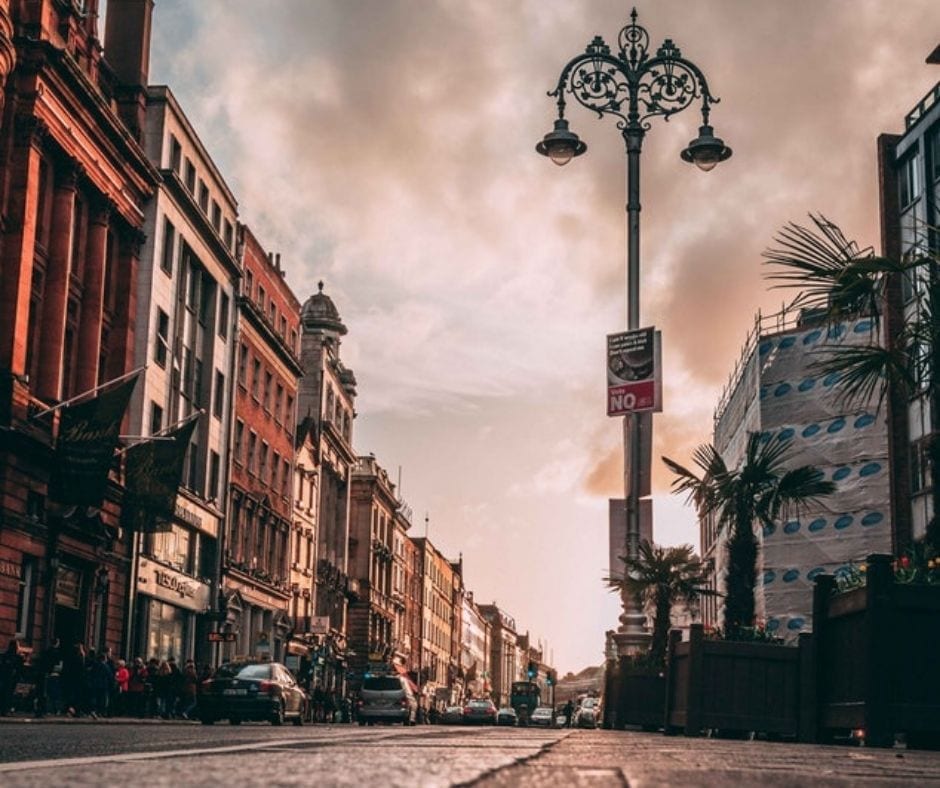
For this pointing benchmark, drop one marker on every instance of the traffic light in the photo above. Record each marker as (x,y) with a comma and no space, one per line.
(550,678)
(533,670)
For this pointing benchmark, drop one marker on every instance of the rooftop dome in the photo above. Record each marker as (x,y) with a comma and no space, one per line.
(319,312)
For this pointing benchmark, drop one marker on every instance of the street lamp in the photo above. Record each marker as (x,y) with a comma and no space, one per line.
(633,86)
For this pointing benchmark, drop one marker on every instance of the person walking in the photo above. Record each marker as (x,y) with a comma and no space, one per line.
(100,680)
(189,699)
(137,689)
(569,713)
(74,681)
(49,689)
(122,677)
(11,669)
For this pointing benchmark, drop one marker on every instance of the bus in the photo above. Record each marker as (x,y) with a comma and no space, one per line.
(524,697)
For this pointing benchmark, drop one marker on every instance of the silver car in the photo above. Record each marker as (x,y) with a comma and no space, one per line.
(386,699)
(543,716)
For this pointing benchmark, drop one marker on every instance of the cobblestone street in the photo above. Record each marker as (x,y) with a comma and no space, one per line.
(117,753)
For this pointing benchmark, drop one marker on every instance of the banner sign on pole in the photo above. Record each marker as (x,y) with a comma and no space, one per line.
(634,372)
(88,435)
(154,470)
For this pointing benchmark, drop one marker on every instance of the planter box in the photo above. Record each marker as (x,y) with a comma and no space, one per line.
(738,686)
(876,663)
(636,697)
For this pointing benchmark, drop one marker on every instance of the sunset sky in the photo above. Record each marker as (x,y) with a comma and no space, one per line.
(387,148)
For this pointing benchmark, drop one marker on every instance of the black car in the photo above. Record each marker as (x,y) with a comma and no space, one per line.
(252,691)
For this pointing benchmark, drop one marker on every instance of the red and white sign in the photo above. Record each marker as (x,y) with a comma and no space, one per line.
(634,382)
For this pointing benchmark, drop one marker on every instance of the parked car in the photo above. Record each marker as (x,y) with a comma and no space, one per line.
(543,716)
(252,690)
(452,715)
(507,716)
(561,718)
(479,710)
(386,699)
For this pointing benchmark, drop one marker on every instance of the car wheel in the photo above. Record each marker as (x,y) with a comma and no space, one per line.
(278,717)
(234,721)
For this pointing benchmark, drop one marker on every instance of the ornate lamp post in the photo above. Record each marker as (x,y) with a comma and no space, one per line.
(633,86)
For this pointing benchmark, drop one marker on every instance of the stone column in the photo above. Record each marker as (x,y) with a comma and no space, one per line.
(56,293)
(89,327)
(7,50)
(124,322)
(19,243)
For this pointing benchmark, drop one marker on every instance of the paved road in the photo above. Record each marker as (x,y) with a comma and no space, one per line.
(155,755)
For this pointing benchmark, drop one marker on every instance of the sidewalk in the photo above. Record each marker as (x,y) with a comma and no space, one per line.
(64,719)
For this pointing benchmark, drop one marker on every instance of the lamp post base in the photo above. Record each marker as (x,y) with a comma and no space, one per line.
(630,643)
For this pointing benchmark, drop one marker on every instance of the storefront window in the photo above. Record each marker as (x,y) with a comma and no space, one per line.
(167,633)
(27,597)
(174,547)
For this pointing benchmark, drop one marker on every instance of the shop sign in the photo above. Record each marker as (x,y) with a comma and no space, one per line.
(320,625)
(221,637)
(263,643)
(634,372)
(68,587)
(172,586)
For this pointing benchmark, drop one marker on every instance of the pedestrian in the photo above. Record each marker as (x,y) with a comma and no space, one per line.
(50,683)
(74,681)
(318,702)
(100,679)
(569,713)
(190,689)
(137,689)
(122,677)
(11,669)
(153,685)
(163,687)
(329,706)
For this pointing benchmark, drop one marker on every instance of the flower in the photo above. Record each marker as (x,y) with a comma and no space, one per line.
(905,561)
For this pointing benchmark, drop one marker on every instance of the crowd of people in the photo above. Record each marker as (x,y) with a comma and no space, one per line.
(79,682)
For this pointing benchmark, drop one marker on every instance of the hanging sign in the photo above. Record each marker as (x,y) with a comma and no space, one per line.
(634,380)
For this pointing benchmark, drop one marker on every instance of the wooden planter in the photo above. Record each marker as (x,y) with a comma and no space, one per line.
(738,687)
(633,697)
(877,657)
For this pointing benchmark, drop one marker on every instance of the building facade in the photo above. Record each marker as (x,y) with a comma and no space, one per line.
(256,561)
(437,660)
(186,287)
(909,180)
(370,624)
(504,659)
(74,186)
(326,400)
(474,649)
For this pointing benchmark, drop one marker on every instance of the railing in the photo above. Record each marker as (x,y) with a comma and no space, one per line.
(922,107)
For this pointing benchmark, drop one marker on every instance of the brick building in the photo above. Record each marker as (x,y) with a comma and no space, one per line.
(256,560)
(73,187)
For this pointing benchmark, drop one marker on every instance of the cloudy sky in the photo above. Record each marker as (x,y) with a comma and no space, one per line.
(387,148)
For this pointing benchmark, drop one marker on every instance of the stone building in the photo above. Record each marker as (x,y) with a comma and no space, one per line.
(437,661)
(474,648)
(256,561)
(326,402)
(74,183)
(370,623)
(504,660)
(412,615)
(186,289)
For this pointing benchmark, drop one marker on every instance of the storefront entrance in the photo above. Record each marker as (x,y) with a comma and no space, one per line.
(71,610)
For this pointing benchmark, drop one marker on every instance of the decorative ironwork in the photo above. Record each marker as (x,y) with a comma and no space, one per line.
(630,84)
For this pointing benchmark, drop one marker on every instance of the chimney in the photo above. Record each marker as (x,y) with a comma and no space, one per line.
(127,51)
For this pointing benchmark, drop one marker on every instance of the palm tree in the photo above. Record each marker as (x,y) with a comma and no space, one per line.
(662,576)
(759,491)
(839,281)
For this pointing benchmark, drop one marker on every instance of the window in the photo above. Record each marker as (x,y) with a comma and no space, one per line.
(213,492)
(190,176)
(285,478)
(227,234)
(293,340)
(197,383)
(283,328)
(262,296)
(29,574)
(162,338)
(193,476)
(263,462)
(219,395)
(921,468)
(176,154)
(216,216)
(223,316)
(935,155)
(239,434)
(203,196)
(272,313)
(909,180)
(278,401)
(243,364)
(156,418)
(169,244)
(252,452)
(275,470)
(249,284)
(256,379)
(268,378)
(289,413)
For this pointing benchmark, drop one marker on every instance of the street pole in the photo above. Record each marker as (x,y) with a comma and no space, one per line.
(633,85)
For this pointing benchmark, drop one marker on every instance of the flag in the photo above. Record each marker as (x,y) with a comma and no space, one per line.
(153,472)
(88,435)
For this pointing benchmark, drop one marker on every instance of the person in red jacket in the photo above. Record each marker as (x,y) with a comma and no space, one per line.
(122,678)
(137,689)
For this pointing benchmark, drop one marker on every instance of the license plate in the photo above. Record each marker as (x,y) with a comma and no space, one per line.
(235,692)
